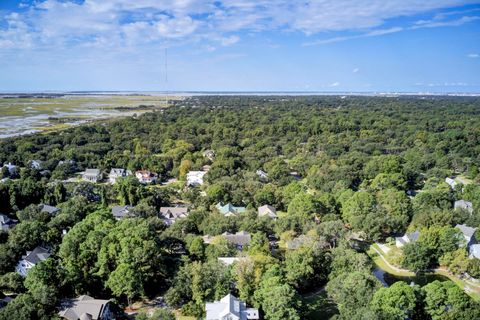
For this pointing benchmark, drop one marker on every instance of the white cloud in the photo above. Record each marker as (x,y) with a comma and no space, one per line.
(373,33)
(335,84)
(356,70)
(228,41)
(473,55)
(451,23)
(58,23)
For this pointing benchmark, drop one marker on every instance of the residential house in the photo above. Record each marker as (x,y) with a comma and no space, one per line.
(267,211)
(239,239)
(92,175)
(5,300)
(195,178)
(295,175)
(230,308)
(6,223)
(407,238)
(36,164)
(468,234)
(171,214)
(209,154)
(31,259)
(48,209)
(262,174)
(228,260)
(475,251)
(299,242)
(145,176)
(116,173)
(463,205)
(229,210)
(86,307)
(11,167)
(450,182)
(121,212)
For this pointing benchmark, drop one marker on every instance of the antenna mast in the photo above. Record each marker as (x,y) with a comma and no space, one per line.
(166,79)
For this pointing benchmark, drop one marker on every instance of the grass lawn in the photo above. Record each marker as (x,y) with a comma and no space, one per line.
(473,292)
(319,306)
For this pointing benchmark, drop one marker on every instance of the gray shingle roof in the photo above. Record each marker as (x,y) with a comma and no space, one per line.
(48,209)
(467,231)
(174,212)
(80,308)
(122,211)
(38,254)
(92,172)
(240,238)
(267,210)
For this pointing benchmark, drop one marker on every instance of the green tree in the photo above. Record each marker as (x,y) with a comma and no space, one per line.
(444,298)
(395,302)
(277,299)
(125,281)
(417,257)
(352,292)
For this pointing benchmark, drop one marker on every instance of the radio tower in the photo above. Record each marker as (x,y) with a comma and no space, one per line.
(166,79)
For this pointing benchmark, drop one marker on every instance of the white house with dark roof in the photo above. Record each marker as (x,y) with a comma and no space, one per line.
(122,212)
(468,234)
(31,259)
(463,205)
(86,307)
(407,238)
(116,173)
(48,209)
(92,175)
(171,214)
(230,308)
(267,211)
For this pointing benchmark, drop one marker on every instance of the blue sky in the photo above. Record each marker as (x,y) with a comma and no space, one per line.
(240,45)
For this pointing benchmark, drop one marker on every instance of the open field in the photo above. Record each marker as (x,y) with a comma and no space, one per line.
(27,114)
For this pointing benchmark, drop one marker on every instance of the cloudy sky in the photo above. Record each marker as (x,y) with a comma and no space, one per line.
(240,45)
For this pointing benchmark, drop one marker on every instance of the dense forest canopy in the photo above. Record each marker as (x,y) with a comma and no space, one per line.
(337,169)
